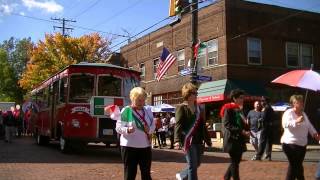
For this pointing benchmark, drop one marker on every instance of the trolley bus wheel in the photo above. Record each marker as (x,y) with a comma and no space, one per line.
(65,145)
(42,140)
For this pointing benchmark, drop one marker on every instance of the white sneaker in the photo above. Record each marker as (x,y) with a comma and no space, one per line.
(181,176)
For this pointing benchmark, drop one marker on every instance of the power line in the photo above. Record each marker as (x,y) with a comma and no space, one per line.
(141,32)
(34,18)
(80,27)
(200,1)
(99,31)
(63,27)
(118,13)
(87,9)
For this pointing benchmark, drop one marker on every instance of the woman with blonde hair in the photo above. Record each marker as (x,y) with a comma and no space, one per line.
(294,140)
(190,131)
(136,127)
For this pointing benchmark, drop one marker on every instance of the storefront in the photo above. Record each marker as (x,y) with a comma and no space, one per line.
(215,93)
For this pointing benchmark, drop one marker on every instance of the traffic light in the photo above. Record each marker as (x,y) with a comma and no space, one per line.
(177,7)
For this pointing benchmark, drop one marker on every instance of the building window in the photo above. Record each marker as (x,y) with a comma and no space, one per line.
(208,56)
(254,51)
(155,65)
(181,60)
(157,100)
(306,55)
(142,70)
(212,52)
(299,55)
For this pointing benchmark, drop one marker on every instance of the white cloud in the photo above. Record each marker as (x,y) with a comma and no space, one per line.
(49,6)
(22,13)
(7,8)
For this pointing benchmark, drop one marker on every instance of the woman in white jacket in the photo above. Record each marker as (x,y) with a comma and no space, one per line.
(136,127)
(295,137)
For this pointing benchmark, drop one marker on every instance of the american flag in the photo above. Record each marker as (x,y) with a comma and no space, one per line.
(166,60)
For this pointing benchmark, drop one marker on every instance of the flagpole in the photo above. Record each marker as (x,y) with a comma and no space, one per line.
(194,27)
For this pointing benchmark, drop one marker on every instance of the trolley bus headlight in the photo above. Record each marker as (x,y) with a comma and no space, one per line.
(75,123)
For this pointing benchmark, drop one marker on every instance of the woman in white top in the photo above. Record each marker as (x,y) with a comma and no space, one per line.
(295,137)
(136,127)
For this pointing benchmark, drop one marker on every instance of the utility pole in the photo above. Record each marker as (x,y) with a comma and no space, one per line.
(63,27)
(194,27)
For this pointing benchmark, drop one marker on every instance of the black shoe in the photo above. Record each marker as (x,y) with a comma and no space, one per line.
(267,157)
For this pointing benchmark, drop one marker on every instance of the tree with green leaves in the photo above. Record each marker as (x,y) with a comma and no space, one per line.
(14,57)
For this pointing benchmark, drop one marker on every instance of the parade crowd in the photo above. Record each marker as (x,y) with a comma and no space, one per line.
(16,123)
(142,130)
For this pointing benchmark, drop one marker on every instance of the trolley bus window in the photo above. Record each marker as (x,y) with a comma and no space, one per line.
(109,86)
(63,89)
(81,88)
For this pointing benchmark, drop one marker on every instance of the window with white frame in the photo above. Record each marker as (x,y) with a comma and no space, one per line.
(306,55)
(299,55)
(201,59)
(207,55)
(181,60)
(157,100)
(142,70)
(212,49)
(155,65)
(254,51)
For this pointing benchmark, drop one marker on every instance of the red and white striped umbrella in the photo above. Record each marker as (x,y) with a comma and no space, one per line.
(306,79)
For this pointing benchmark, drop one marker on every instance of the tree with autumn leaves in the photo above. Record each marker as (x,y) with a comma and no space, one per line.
(57,51)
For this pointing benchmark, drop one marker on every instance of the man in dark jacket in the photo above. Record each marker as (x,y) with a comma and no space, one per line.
(1,124)
(266,133)
(9,123)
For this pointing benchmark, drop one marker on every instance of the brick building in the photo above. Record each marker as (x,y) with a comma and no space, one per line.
(248,45)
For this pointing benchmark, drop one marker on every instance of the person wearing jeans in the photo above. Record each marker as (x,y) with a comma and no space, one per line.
(295,137)
(190,132)
(318,172)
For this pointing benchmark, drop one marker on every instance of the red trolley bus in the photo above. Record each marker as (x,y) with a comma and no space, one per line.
(71,104)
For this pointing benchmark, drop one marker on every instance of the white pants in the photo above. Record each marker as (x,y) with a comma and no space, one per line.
(255,139)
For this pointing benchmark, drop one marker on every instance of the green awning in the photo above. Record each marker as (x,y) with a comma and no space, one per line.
(219,90)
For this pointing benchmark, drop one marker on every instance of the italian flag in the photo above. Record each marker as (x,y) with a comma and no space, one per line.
(113,111)
(126,115)
(198,48)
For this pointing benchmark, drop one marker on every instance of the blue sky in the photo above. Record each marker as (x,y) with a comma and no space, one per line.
(31,18)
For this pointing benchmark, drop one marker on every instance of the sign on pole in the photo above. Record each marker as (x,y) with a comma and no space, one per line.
(203,78)
(185,72)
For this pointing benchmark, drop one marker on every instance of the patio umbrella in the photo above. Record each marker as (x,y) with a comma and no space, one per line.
(306,79)
(163,108)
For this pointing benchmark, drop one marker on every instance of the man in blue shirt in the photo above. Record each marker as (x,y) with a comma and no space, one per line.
(254,119)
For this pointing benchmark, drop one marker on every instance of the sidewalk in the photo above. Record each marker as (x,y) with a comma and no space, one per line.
(275,147)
